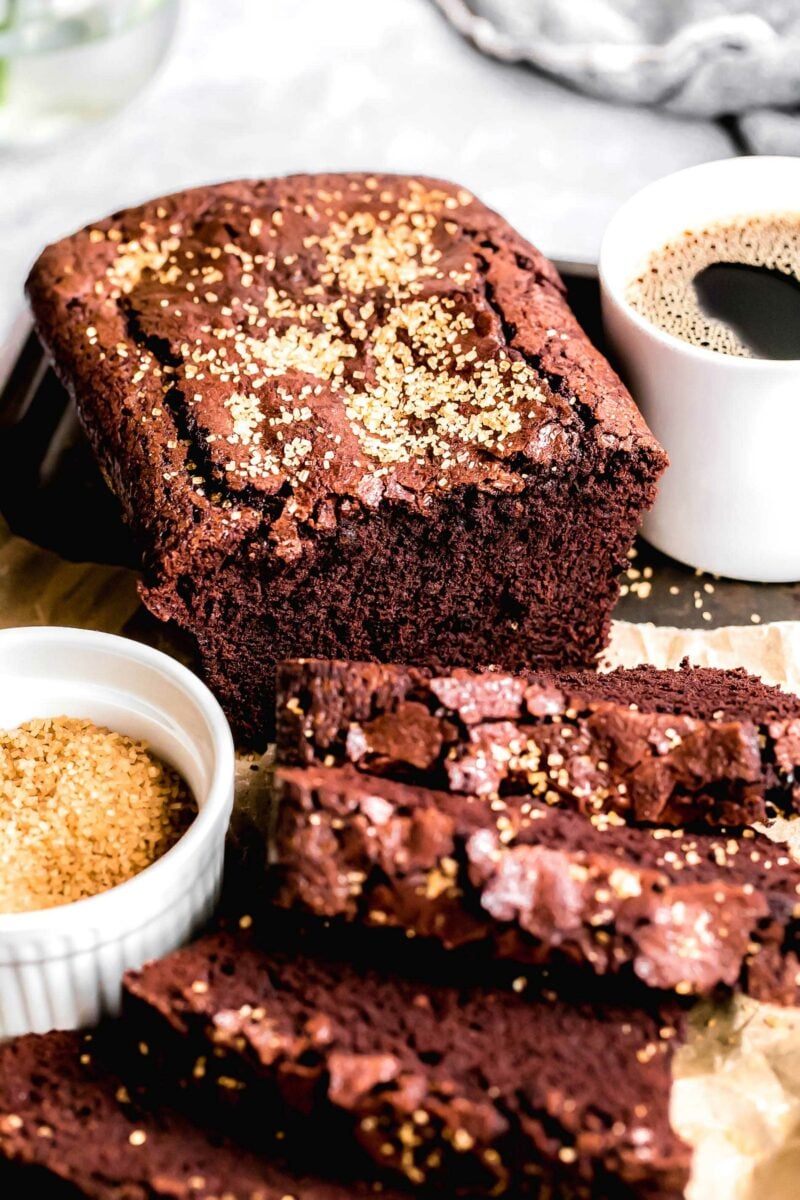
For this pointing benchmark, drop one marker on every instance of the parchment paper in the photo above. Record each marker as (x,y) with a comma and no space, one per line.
(771,651)
(736,1096)
(39,588)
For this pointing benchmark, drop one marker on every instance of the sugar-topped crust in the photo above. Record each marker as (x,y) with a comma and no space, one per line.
(277,345)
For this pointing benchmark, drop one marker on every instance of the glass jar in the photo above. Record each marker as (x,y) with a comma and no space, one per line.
(67,62)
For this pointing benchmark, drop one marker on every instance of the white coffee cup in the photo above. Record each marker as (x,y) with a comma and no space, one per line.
(729,502)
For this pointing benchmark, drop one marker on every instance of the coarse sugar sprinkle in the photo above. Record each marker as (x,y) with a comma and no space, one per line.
(82,809)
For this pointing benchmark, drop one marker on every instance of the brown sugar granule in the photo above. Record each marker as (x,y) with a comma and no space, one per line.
(82,809)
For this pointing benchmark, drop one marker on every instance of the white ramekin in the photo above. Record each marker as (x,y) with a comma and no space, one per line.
(62,967)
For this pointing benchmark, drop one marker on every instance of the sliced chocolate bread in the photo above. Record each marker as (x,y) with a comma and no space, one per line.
(70,1129)
(540,883)
(667,747)
(463,1090)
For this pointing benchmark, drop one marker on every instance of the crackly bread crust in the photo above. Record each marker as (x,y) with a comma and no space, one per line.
(112,304)
(694,745)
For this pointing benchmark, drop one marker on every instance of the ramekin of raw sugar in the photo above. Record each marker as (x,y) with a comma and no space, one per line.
(62,967)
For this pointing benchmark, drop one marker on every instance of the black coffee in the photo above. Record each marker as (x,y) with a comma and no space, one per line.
(760,304)
(733,287)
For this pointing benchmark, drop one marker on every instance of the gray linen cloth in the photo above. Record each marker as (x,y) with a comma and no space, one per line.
(697,57)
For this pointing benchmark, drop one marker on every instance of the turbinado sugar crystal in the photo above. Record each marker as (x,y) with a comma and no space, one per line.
(82,809)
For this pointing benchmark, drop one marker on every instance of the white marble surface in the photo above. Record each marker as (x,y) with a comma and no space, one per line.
(263,87)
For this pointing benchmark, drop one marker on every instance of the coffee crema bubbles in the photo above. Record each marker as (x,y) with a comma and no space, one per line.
(732,287)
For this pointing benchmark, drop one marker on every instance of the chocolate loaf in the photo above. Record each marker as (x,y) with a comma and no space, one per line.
(70,1129)
(470,1091)
(541,884)
(348,416)
(667,747)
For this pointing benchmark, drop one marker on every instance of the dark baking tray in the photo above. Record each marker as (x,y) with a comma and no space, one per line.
(52,493)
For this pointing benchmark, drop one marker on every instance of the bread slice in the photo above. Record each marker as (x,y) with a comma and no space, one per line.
(694,745)
(541,884)
(471,1090)
(70,1129)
